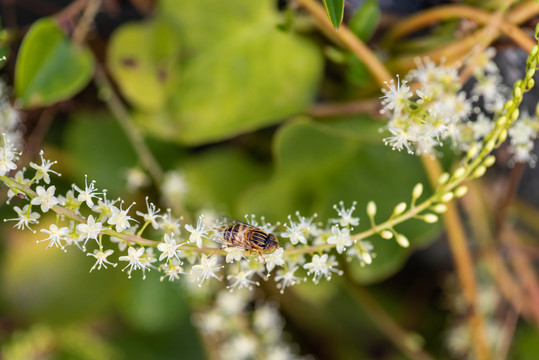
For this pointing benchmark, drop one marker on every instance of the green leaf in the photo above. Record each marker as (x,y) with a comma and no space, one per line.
(357,72)
(318,165)
(49,67)
(98,147)
(365,20)
(240,73)
(335,11)
(146,72)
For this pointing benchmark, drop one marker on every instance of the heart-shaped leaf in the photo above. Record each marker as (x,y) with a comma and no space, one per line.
(144,72)
(50,67)
(318,165)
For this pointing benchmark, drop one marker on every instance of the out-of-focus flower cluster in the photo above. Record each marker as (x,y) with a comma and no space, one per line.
(108,231)
(236,333)
(440,110)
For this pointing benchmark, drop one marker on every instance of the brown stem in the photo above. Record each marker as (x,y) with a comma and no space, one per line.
(463,262)
(402,339)
(346,38)
(438,13)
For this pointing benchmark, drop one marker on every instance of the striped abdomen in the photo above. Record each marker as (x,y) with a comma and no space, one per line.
(245,236)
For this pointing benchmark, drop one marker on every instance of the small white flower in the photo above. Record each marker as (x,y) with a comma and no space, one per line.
(7,157)
(266,320)
(136,179)
(321,265)
(120,218)
(287,278)
(294,233)
(45,198)
(206,269)
(346,218)
(199,233)
(25,217)
(274,259)
(88,193)
(168,248)
(340,238)
(234,253)
(172,270)
(174,186)
(396,96)
(90,230)
(242,279)
(104,206)
(134,259)
(44,169)
(399,140)
(101,259)
(150,216)
(170,225)
(56,235)
(363,250)
(240,347)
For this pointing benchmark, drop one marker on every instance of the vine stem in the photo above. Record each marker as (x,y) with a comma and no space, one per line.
(344,36)
(402,339)
(445,12)
(134,135)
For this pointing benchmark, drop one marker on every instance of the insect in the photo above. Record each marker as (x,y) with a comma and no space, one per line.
(234,233)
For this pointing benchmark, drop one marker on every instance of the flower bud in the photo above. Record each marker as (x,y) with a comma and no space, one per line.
(417,191)
(489,161)
(444,178)
(399,209)
(446,197)
(402,240)
(430,218)
(459,172)
(480,171)
(371,209)
(386,234)
(461,191)
(439,208)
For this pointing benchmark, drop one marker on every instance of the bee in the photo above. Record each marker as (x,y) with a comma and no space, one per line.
(234,233)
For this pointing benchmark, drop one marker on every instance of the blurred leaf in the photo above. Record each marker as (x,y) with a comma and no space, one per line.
(144,72)
(365,20)
(35,280)
(4,50)
(50,67)
(240,73)
(98,147)
(216,179)
(357,72)
(151,305)
(317,165)
(335,11)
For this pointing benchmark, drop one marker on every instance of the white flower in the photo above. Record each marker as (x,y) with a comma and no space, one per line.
(481,126)
(173,270)
(44,169)
(399,140)
(25,217)
(168,248)
(396,96)
(206,269)
(90,230)
(134,258)
(199,233)
(88,193)
(240,347)
(321,266)
(19,177)
(120,218)
(266,320)
(56,235)
(7,157)
(170,225)
(136,179)
(274,259)
(287,278)
(294,233)
(340,238)
(363,251)
(346,218)
(234,253)
(151,216)
(242,279)
(45,198)
(103,207)
(101,259)
(174,186)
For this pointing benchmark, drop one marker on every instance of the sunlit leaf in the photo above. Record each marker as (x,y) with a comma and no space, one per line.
(50,67)
(365,20)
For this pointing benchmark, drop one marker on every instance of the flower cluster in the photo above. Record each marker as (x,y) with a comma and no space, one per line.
(240,334)
(108,231)
(441,110)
